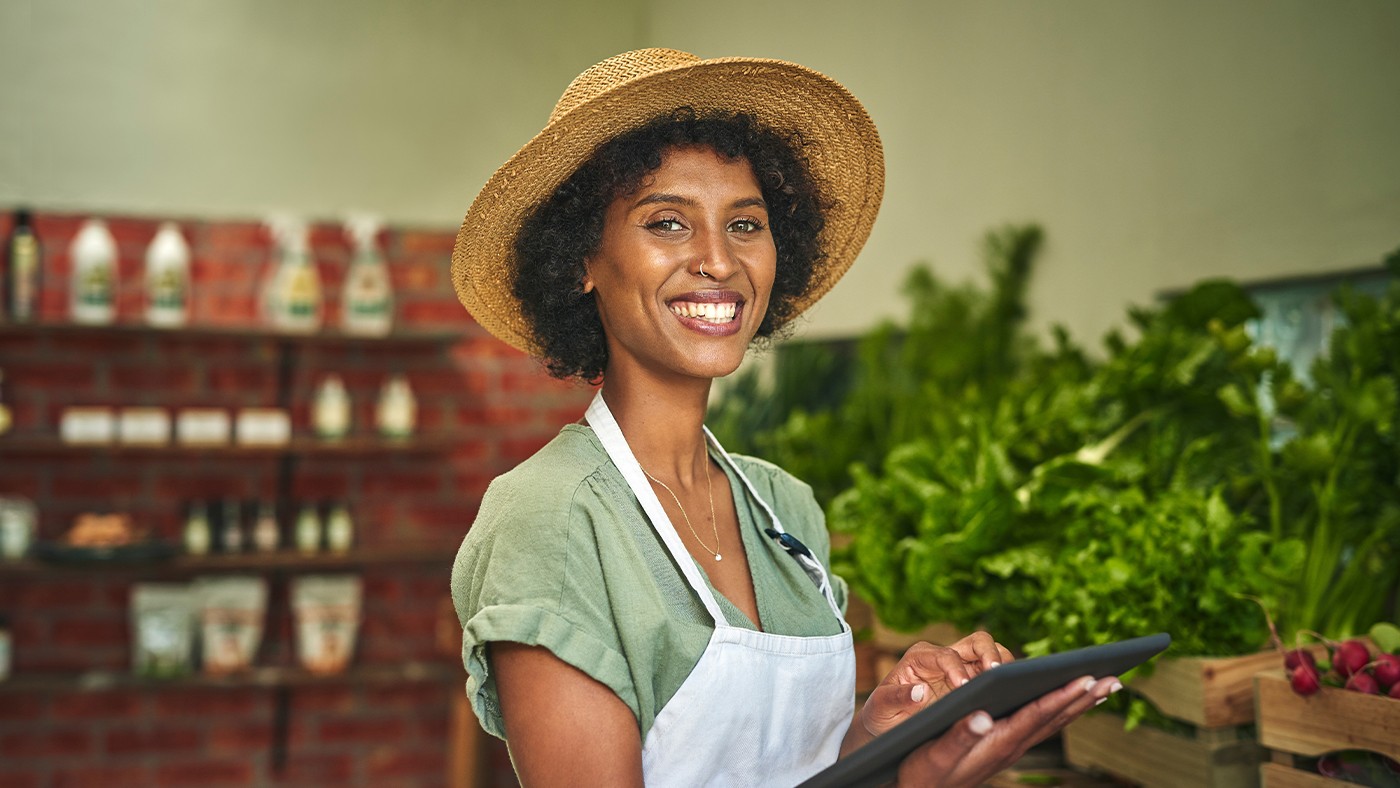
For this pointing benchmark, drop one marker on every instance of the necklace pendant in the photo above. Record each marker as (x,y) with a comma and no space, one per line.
(718,557)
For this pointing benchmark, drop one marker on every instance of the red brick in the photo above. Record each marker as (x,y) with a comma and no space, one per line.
(236,238)
(409,696)
(395,763)
(413,242)
(88,633)
(54,594)
(312,769)
(226,738)
(130,232)
(214,703)
(105,776)
(495,416)
(155,376)
(96,705)
(104,487)
(27,706)
(433,313)
(205,772)
(337,700)
(71,377)
(52,743)
(211,270)
(55,229)
(20,778)
(400,483)
(417,277)
(363,731)
(244,379)
(164,739)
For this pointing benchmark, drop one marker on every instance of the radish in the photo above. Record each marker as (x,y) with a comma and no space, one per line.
(1350,657)
(1395,690)
(1364,683)
(1298,656)
(1304,680)
(1387,670)
(1329,766)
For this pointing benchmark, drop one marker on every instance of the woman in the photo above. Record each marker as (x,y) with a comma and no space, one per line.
(637,604)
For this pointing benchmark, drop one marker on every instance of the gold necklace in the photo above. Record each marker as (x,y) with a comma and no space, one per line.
(709,486)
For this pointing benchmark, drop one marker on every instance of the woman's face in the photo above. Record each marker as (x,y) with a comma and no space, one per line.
(661,317)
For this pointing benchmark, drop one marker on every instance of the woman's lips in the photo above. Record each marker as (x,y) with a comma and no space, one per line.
(715,313)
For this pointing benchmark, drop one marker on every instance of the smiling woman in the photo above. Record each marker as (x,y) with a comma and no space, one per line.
(673,211)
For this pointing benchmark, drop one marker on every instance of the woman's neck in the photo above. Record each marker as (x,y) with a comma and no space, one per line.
(663,425)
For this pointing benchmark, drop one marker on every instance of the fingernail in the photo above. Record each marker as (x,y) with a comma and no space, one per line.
(1117,685)
(1100,701)
(1088,684)
(961,682)
(981,723)
(918,693)
(993,665)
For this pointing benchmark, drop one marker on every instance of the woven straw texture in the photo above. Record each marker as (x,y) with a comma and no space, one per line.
(625,92)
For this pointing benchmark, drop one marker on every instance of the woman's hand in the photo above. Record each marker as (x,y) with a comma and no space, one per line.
(977,748)
(925,674)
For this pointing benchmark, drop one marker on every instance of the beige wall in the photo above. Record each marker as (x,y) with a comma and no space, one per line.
(1157,142)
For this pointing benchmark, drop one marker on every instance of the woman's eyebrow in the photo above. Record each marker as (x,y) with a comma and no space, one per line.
(675,199)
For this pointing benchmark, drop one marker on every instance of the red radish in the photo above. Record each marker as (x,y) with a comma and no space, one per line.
(1395,690)
(1329,766)
(1364,683)
(1304,680)
(1387,670)
(1350,657)
(1298,656)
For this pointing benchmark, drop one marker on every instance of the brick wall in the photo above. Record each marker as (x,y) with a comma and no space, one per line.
(496,403)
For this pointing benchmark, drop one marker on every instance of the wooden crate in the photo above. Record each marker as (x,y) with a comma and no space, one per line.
(1293,726)
(1212,758)
(1209,692)
(1278,775)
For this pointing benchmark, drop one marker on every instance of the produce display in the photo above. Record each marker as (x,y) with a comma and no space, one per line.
(1060,497)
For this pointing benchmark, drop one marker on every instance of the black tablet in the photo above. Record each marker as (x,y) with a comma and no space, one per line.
(999,692)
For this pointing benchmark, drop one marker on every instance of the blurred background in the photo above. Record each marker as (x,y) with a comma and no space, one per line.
(1052,164)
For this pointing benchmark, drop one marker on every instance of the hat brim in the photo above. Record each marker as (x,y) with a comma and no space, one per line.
(842,147)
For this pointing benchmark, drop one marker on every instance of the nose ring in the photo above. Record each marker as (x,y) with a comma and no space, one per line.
(702,270)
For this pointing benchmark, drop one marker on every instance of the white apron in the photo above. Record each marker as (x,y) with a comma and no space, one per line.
(758,709)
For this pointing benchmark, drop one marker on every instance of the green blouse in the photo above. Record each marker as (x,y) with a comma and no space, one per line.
(562,556)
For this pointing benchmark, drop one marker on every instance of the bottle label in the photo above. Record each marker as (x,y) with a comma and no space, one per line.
(24,276)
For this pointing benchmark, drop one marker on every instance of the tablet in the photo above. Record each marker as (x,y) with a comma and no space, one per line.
(999,692)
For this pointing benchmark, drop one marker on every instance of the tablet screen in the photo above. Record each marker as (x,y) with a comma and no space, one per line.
(998,692)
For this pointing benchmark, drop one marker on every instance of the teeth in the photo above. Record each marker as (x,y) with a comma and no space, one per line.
(709,312)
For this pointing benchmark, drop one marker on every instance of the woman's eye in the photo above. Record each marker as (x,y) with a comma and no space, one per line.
(668,225)
(745,226)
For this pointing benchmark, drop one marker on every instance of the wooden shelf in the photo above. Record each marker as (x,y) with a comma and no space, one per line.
(430,336)
(38,444)
(287,560)
(94,681)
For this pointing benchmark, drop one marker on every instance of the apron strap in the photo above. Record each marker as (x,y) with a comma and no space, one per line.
(814,569)
(610,434)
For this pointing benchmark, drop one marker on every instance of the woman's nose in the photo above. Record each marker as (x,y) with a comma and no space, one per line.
(714,257)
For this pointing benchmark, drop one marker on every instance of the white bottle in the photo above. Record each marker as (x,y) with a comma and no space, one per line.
(198,536)
(292,294)
(340,529)
(367,307)
(397,410)
(330,411)
(168,278)
(94,280)
(308,530)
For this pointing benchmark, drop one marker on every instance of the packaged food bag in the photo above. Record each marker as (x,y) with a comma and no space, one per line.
(231,614)
(327,611)
(162,629)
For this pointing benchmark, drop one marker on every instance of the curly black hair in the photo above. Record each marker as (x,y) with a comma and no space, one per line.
(567,227)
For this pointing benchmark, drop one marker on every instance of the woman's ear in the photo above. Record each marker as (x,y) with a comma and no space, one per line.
(586,284)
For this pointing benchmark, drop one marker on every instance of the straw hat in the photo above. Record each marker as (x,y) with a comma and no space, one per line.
(627,91)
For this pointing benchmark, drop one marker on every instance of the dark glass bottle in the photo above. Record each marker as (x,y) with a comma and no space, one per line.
(23,270)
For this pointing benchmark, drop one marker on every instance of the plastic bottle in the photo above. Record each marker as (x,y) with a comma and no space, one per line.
(367,306)
(93,285)
(198,536)
(24,267)
(340,529)
(330,409)
(397,410)
(168,278)
(292,293)
(308,530)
